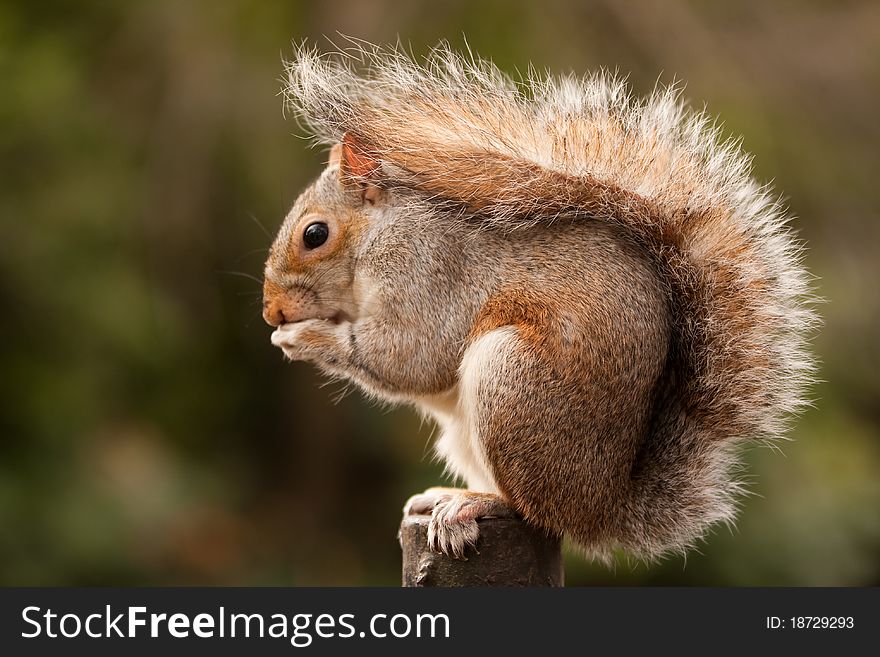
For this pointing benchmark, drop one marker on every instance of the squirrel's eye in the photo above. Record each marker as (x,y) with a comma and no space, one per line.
(315,234)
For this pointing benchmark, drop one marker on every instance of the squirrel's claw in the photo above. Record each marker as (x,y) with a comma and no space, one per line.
(453,527)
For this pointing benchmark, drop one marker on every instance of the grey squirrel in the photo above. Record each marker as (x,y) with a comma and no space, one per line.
(588,292)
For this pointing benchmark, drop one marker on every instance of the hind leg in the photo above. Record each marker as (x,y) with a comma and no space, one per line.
(558,430)
(455,512)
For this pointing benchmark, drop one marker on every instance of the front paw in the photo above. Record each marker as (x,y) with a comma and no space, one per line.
(307,339)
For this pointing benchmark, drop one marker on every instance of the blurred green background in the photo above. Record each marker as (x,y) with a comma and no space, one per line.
(150,434)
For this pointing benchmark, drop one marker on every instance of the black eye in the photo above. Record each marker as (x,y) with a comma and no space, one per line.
(315,234)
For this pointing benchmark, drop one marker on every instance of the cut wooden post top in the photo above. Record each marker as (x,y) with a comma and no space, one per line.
(509,552)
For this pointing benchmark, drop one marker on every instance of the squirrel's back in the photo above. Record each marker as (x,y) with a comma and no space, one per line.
(485,149)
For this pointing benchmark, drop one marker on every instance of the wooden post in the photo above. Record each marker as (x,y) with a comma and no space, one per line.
(509,552)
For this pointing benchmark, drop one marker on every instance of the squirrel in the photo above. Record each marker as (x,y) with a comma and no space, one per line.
(587,291)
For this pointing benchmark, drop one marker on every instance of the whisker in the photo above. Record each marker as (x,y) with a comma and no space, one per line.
(241,274)
(259,315)
(259,223)
(250,253)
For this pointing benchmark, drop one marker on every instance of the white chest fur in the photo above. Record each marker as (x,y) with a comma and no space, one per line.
(459,444)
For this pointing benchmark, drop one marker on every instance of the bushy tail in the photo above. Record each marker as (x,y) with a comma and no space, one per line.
(514,154)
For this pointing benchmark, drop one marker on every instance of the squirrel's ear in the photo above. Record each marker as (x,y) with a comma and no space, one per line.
(358,167)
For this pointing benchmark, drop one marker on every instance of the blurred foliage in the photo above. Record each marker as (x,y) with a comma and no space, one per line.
(149,433)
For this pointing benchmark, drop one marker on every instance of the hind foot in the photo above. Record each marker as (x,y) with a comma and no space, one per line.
(454,514)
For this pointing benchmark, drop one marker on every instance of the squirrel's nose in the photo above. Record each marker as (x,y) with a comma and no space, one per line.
(273,312)
(285,308)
